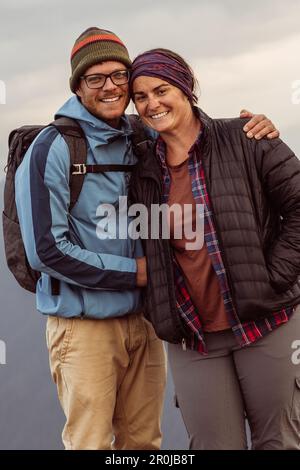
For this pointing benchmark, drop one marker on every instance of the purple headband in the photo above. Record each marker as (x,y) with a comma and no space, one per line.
(157,64)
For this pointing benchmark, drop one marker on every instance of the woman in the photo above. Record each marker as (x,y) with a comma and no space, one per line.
(228,310)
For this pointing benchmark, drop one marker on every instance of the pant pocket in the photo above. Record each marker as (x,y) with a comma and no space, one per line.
(296,401)
(176,404)
(67,327)
(51,329)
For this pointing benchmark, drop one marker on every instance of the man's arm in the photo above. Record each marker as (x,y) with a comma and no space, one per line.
(42,198)
(259,126)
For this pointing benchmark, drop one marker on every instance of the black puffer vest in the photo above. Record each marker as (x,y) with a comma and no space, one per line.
(254,189)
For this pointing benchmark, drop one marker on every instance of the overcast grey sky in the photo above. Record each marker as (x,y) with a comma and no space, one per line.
(245,54)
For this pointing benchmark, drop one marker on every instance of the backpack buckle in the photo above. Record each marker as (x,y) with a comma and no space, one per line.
(80,169)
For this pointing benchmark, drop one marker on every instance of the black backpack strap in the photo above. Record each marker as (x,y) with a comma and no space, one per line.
(141,142)
(82,169)
(77,144)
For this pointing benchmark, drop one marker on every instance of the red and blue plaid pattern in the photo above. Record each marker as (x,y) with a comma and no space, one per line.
(245,333)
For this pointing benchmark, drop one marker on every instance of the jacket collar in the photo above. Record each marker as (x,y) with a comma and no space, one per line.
(98,131)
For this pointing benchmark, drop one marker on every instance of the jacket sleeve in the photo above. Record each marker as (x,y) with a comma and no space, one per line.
(279,169)
(42,199)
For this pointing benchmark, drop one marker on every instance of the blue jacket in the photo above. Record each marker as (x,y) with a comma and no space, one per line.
(98,276)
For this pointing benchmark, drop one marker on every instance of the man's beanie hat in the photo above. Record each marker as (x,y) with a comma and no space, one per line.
(92,47)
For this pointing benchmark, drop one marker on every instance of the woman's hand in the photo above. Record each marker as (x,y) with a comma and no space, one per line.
(259,126)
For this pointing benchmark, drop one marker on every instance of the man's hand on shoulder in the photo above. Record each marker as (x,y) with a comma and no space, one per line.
(259,126)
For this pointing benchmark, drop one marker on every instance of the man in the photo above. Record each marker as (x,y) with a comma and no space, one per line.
(107,363)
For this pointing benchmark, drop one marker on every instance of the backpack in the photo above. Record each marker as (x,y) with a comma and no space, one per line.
(19,141)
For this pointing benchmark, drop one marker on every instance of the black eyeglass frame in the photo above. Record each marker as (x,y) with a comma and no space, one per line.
(105,76)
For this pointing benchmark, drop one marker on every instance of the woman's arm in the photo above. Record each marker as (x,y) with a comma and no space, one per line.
(280,173)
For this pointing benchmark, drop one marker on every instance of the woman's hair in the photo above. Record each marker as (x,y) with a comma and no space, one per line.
(190,80)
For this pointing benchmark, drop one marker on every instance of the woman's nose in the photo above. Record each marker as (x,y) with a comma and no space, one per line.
(153,102)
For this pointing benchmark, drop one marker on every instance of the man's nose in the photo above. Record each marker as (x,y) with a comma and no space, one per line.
(108,85)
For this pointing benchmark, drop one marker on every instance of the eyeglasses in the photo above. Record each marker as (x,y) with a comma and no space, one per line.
(98,80)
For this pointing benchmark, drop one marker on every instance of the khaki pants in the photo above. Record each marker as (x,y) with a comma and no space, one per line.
(110,375)
(214,392)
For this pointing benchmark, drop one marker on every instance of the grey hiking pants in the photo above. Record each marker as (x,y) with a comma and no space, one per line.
(260,381)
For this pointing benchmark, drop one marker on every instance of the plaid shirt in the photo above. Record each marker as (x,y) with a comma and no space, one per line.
(245,333)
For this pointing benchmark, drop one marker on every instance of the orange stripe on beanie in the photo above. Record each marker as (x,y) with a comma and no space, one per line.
(98,37)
